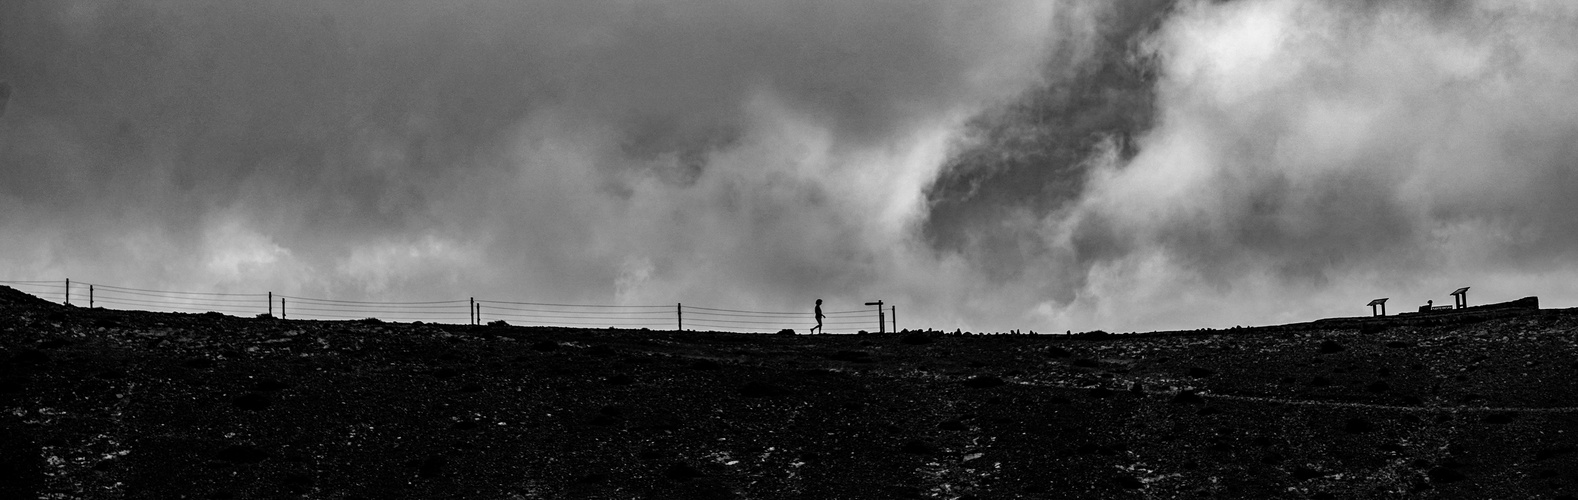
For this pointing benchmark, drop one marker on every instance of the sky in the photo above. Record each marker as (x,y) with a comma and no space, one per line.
(986,166)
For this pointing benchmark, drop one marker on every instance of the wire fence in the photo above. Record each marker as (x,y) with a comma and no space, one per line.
(470,310)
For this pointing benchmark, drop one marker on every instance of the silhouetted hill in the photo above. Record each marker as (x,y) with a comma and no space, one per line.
(113,404)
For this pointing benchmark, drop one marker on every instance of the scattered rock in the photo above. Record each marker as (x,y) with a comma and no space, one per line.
(1500,418)
(758,389)
(952,425)
(1197,372)
(471,387)
(31,356)
(1445,475)
(544,345)
(852,356)
(1357,426)
(786,331)
(1330,346)
(1378,387)
(593,478)
(270,385)
(1188,398)
(916,338)
(983,382)
(198,363)
(1058,352)
(1128,482)
(297,482)
(621,379)
(681,471)
(705,364)
(445,373)
(252,401)
(242,454)
(1302,473)
(1086,363)
(1101,393)
(1398,344)
(432,467)
(918,447)
(1549,453)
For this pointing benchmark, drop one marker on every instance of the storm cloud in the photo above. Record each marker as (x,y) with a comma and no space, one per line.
(1032,165)
(1305,157)
(749,154)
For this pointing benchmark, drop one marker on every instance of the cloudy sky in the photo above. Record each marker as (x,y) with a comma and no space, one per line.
(1047,165)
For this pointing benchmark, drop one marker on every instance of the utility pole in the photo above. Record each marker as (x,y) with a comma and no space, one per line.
(895,310)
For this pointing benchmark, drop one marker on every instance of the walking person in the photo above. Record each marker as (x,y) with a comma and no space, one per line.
(818,327)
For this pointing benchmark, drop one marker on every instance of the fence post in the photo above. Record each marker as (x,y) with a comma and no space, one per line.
(679,315)
(471,311)
(90,296)
(478,307)
(895,310)
(281,308)
(68,291)
(271,303)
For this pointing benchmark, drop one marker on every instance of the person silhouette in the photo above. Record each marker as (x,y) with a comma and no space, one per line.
(818,327)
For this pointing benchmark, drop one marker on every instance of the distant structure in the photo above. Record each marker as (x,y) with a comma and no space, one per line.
(1460,298)
(1378,302)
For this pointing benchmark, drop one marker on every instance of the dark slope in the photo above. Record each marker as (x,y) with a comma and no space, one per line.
(106,404)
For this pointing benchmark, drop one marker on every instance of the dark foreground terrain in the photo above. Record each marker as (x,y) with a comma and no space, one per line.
(115,404)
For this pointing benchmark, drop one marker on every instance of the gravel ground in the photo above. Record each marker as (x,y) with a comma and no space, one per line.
(117,404)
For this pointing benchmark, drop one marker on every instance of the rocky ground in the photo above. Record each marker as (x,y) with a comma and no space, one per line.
(116,404)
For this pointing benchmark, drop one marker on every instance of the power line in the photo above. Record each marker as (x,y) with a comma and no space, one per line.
(364,302)
(559,305)
(542,313)
(99,285)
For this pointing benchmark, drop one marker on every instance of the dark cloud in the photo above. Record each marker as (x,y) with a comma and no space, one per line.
(1001,165)
(1295,159)
(573,150)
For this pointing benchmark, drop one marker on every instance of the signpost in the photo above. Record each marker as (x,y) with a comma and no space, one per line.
(1460,298)
(1378,302)
(882,320)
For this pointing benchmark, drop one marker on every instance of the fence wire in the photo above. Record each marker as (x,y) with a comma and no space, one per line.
(457,311)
